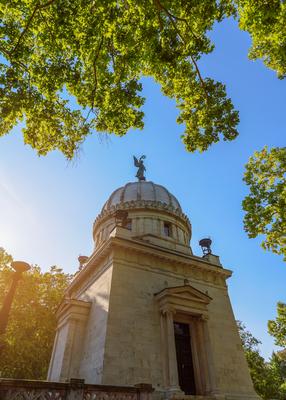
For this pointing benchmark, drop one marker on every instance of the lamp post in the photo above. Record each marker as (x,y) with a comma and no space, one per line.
(19,267)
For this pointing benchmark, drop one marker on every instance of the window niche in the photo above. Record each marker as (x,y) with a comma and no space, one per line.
(167,229)
(127,224)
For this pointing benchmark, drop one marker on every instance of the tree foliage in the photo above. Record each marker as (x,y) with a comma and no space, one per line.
(277,366)
(265,21)
(256,363)
(96,54)
(98,51)
(266,204)
(268,377)
(277,328)
(31,328)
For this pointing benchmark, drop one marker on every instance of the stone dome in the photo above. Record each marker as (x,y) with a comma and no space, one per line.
(151,212)
(141,191)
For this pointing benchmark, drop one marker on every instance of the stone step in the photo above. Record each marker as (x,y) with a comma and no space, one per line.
(192,397)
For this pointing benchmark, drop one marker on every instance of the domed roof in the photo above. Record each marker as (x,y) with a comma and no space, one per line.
(141,190)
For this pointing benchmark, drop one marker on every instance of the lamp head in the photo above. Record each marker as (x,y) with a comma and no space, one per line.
(82,260)
(20,266)
(206,245)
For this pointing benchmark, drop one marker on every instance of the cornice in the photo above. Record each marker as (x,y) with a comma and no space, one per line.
(170,255)
(99,255)
(140,247)
(142,205)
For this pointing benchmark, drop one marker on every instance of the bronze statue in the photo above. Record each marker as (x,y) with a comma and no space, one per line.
(141,168)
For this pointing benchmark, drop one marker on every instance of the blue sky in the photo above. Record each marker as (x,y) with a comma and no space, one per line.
(47,206)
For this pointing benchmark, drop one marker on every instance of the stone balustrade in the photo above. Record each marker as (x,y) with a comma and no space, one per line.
(75,389)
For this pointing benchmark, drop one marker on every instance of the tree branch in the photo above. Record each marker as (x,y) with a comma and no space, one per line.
(14,61)
(37,7)
(199,75)
(160,5)
(95,71)
(53,37)
(173,17)
(95,78)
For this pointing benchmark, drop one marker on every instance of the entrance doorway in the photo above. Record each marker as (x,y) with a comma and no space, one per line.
(184,358)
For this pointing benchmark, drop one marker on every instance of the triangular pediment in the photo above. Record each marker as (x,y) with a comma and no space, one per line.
(184,298)
(186,292)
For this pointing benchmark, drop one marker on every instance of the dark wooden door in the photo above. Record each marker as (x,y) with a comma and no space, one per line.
(184,358)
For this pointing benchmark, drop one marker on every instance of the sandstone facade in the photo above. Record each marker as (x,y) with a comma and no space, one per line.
(119,321)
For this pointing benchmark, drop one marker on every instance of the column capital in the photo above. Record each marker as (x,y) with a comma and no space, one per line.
(204,317)
(168,310)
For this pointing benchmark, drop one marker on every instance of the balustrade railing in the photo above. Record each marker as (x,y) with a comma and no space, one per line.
(75,389)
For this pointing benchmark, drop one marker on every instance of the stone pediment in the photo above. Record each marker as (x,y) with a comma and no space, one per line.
(186,299)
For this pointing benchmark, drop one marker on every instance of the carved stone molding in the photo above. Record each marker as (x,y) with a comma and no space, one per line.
(73,309)
(141,205)
(149,256)
(189,305)
(185,299)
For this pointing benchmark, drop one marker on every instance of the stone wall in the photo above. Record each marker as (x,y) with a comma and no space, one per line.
(230,366)
(123,342)
(133,348)
(80,339)
(94,341)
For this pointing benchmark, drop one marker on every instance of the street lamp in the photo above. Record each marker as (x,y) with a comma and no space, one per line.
(19,267)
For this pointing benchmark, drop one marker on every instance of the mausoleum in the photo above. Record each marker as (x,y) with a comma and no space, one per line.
(144,309)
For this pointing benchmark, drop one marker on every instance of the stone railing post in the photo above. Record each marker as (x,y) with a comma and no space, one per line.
(144,390)
(76,389)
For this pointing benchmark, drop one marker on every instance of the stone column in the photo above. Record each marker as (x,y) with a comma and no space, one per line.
(67,352)
(204,355)
(196,354)
(53,356)
(164,350)
(209,358)
(172,357)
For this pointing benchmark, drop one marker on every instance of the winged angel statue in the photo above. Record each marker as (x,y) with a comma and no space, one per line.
(141,168)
